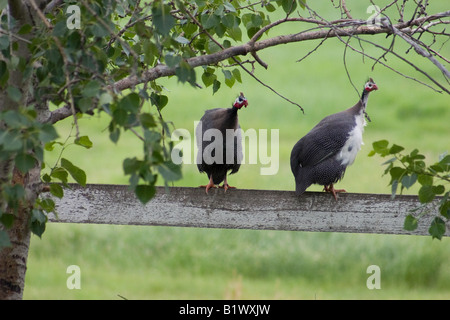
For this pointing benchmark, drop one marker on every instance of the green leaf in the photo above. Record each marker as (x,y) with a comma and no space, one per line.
(237,75)
(78,174)
(172,60)
(131,165)
(4,239)
(227,74)
(120,116)
(11,141)
(4,73)
(216,86)
(381,147)
(210,21)
(235,33)
(208,78)
(14,94)
(302,3)
(395,149)
(257,21)
(38,221)
(170,171)
(182,40)
(410,223)
(47,133)
(269,7)
(213,47)
(394,188)
(145,193)
(130,102)
(444,209)
(397,173)
(114,135)
(56,190)
(229,21)
(98,30)
(437,228)
(162,19)
(60,174)
(415,155)
(289,5)
(445,163)
(26,28)
(7,220)
(426,194)
(159,100)
(47,204)
(4,42)
(185,73)
(440,189)
(84,141)
(91,89)
(24,162)
(147,120)
(425,180)
(14,192)
(229,6)
(409,180)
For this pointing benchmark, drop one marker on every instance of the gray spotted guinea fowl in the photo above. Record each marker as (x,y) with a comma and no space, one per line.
(323,154)
(216,158)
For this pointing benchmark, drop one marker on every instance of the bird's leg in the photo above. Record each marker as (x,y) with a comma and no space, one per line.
(225,185)
(209,185)
(334,191)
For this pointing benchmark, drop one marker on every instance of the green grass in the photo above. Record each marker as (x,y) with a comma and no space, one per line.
(178,263)
(173,263)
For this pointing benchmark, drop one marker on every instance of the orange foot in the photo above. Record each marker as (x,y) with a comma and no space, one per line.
(334,191)
(226,186)
(209,185)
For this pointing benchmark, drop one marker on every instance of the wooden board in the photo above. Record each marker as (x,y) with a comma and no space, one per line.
(242,209)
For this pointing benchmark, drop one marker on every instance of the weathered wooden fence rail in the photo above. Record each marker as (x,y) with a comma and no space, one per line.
(240,209)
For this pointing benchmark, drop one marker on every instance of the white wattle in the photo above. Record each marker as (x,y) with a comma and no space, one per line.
(354,142)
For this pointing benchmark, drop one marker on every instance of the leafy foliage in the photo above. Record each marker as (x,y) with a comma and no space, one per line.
(74,68)
(406,170)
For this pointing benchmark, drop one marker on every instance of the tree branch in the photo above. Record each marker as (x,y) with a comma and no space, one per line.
(418,48)
(338,28)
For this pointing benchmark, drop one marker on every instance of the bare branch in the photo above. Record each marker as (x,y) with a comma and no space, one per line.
(322,30)
(418,48)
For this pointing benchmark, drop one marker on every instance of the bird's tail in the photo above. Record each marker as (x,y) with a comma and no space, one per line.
(301,180)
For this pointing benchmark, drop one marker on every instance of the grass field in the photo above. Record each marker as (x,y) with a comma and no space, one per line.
(180,263)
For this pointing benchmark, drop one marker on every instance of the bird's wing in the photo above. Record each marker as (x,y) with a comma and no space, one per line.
(325,140)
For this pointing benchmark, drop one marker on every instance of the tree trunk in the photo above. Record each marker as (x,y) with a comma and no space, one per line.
(13,259)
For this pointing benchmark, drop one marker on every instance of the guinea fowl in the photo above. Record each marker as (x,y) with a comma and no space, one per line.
(323,154)
(219,143)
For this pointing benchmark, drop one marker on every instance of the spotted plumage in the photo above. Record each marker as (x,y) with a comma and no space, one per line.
(218,138)
(323,154)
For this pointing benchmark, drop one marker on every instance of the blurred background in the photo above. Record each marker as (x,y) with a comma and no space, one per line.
(138,262)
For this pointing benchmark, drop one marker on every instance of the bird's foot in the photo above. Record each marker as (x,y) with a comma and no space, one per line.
(209,186)
(334,191)
(226,186)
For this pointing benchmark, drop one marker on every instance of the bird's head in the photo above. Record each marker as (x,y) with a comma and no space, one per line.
(370,85)
(240,101)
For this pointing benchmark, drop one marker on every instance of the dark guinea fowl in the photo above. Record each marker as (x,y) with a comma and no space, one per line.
(209,159)
(323,154)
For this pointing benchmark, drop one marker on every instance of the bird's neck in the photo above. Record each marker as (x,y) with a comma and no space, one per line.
(234,110)
(364,98)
